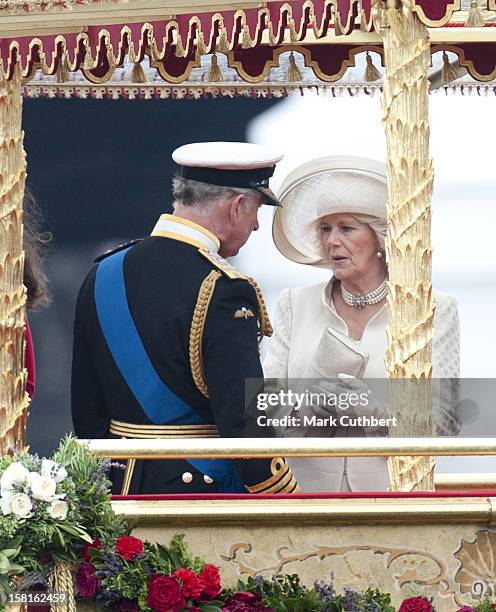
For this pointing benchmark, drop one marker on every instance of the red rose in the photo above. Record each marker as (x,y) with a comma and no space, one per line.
(415,604)
(164,594)
(86,582)
(128,547)
(244,601)
(210,582)
(96,544)
(189,582)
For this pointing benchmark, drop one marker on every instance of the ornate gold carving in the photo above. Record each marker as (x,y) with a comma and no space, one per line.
(197,326)
(408,244)
(396,559)
(13,398)
(477,573)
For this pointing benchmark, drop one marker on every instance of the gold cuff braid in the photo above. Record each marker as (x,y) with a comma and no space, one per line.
(196,333)
(265,325)
(281,481)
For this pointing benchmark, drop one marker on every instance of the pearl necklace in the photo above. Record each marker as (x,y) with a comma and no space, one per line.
(360,300)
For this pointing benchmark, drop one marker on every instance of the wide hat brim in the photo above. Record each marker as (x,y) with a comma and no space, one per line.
(294,224)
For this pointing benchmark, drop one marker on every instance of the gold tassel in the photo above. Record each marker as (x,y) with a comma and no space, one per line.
(474,19)
(293,35)
(246,41)
(448,72)
(88,60)
(200,43)
(214,72)
(138,74)
(110,58)
(293,74)
(371,72)
(62,72)
(222,42)
(395,20)
(180,50)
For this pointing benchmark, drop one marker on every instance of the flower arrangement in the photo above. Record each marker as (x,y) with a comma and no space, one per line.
(131,575)
(58,510)
(49,509)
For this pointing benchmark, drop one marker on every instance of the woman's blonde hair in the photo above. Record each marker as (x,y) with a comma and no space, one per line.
(378,225)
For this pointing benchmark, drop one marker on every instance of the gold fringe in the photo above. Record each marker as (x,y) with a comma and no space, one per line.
(265,325)
(62,582)
(222,42)
(138,74)
(474,19)
(214,74)
(246,41)
(62,71)
(448,72)
(371,72)
(293,74)
(196,333)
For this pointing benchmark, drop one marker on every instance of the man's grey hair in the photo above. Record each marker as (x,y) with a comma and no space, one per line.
(203,198)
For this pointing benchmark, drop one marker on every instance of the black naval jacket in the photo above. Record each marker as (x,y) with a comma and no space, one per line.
(163,277)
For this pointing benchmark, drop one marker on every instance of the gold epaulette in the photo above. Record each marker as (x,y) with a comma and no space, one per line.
(231,272)
(222,264)
(281,481)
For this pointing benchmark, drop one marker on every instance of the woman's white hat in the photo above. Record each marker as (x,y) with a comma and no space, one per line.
(321,187)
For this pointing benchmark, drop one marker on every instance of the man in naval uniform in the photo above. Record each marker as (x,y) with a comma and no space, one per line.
(166,330)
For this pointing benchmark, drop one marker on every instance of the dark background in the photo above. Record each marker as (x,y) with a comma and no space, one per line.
(101,172)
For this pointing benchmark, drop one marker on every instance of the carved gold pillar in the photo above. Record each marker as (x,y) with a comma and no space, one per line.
(408,245)
(13,398)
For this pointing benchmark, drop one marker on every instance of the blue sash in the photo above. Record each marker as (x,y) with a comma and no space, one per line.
(158,402)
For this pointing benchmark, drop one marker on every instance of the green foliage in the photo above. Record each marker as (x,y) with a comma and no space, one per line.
(484,606)
(284,593)
(81,483)
(92,485)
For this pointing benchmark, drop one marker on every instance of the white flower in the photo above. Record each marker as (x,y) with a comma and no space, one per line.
(16,473)
(42,487)
(54,470)
(21,505)
(58,509)
(5,503)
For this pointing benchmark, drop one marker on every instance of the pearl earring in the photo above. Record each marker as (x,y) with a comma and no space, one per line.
(379,254)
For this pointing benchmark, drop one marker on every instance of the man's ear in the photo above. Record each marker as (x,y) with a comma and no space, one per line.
(236,208)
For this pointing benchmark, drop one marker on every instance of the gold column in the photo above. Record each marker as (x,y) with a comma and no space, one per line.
(408,245)
(13,398)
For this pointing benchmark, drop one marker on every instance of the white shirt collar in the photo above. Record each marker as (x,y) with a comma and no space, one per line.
(177,228)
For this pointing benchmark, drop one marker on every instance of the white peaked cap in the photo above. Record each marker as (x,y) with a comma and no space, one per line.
(230,164)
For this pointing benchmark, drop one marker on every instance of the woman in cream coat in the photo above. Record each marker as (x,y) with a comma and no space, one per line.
(334,216)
